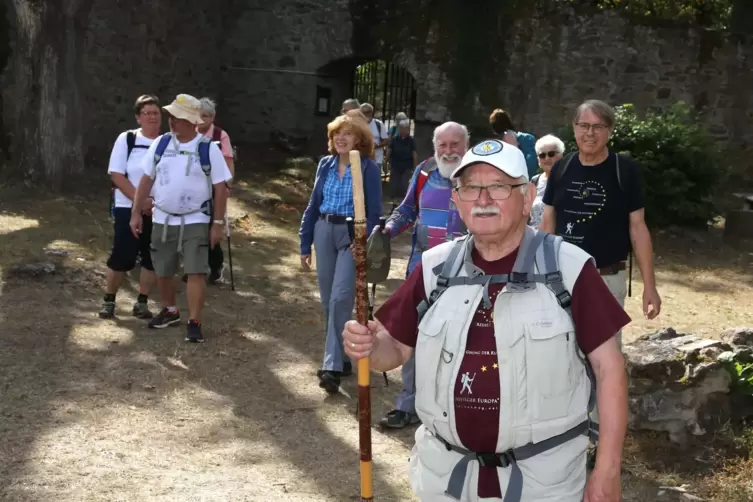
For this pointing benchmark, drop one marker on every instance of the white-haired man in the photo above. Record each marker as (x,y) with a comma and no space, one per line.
(428,208)
(515,343)
(188,175)
(349,104)
(380,133)
(222,139)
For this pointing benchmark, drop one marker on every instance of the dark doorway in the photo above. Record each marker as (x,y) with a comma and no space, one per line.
(388,87)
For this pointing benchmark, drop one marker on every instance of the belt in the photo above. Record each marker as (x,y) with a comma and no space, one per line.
(613,269)
(333,218)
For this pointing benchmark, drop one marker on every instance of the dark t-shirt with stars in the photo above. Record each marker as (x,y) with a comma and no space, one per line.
(597,317)
(593,208)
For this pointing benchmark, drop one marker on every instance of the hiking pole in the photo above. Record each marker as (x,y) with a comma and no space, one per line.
(229,253)
(362,316)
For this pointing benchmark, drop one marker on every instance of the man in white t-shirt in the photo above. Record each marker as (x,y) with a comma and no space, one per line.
(380,133)
(125,172)
(183,170)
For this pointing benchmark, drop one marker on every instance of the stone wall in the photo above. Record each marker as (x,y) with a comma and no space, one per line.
(263,62)
(558,62)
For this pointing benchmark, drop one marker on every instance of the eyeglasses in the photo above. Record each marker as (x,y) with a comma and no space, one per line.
(584,127)
(150,114)
(551,154)
(499,191)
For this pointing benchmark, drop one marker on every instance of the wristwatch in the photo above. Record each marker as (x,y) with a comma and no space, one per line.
(219,222)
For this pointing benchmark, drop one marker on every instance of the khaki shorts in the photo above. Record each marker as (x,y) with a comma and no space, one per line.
(195,249)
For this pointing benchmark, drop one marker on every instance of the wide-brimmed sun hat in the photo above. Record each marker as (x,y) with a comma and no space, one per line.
(185,107)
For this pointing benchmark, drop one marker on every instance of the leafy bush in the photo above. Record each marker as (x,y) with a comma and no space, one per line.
(679,162)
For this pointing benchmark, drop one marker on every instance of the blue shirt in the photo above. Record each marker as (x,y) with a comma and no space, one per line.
(337,195)
(372,193)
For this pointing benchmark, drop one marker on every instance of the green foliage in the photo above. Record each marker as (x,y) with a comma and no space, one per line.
(706,13)
(679,161)
(742,377)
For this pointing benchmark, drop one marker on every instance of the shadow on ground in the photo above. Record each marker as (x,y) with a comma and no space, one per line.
(238,418)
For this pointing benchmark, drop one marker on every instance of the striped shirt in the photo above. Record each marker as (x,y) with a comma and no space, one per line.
(337,196)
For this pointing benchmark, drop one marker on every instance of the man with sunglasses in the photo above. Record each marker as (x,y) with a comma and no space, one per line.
(594,199)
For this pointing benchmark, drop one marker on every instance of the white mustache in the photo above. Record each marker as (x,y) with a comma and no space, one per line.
(477,210)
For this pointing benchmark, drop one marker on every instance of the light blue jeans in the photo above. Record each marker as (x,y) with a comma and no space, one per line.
(336,272)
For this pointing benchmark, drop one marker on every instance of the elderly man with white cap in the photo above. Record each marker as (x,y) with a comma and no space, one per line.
(513,332)
(183,169)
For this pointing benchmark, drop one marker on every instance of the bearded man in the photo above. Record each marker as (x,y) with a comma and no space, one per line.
(429,208)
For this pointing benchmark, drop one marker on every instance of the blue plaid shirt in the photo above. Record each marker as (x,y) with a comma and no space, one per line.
(372,192)
(337,195)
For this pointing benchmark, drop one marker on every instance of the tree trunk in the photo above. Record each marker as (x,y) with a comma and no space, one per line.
(48,118)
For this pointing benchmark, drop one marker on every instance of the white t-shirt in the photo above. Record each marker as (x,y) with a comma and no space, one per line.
(176,192)
(128,166)
(380,133)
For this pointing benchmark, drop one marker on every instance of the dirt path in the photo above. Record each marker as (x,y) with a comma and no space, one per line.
(96,410)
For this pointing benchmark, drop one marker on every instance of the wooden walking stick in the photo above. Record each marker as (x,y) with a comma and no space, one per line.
(362,315)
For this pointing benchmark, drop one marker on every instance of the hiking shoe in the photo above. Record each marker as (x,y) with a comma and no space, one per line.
(193,332)
(330,381)
(346,372)
(347,369)
(397,419)
(141,310)
(215,276)
(164,319)
(107,311)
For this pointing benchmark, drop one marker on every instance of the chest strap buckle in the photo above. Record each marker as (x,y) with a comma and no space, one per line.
(496,459)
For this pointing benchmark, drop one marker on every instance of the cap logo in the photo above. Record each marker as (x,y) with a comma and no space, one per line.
(489,147)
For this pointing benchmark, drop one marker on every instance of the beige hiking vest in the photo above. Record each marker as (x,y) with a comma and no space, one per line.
(544,387)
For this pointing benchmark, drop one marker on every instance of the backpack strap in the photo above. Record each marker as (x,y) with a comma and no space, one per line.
(445,271)
(206,164)
(162,143)
(567,160)
(217,134)
(429,166)
(130,143)
(547,260)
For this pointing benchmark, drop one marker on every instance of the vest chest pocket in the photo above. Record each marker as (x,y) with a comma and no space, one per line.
(436,358)
(550,363)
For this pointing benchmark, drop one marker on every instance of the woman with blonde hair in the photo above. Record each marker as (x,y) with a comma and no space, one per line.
(324,225)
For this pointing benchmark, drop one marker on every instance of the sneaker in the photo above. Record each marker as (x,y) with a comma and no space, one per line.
(164,319)
(330,381)
(141,310)
(215,276)
(107,311)
(397,419)
(193,332)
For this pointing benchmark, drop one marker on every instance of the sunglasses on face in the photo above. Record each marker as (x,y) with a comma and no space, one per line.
(544,155)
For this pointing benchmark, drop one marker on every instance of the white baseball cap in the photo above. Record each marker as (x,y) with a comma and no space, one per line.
(504,156)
